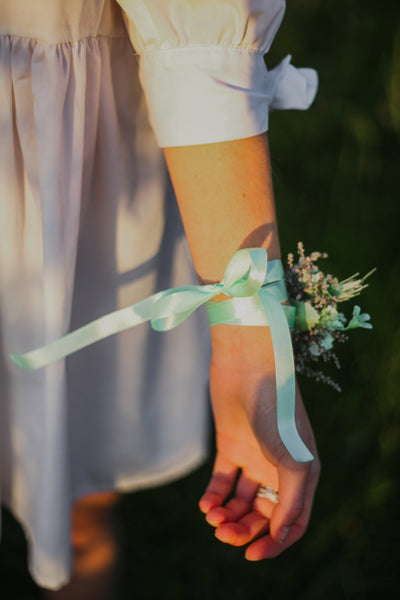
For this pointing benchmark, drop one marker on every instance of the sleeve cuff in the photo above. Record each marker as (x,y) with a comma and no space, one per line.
(213,94)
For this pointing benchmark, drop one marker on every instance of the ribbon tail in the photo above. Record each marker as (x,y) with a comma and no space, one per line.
(97,330)
(285,378)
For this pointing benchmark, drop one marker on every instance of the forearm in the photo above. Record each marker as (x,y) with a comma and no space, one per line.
(225,196)
(224,192)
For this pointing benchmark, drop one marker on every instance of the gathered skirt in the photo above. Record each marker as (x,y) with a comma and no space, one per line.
(88,224)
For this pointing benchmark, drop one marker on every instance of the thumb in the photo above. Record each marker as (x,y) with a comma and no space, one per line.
(293,489)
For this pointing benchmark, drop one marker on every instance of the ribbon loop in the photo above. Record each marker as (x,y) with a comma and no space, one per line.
(246,272)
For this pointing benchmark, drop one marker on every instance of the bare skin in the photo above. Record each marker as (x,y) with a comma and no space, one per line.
(95,550)
(248,444)
(225,195)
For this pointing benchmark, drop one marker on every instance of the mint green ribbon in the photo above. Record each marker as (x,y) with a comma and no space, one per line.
(257,290)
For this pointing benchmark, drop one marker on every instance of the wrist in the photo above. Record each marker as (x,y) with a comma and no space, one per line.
(242,347)
(214,271)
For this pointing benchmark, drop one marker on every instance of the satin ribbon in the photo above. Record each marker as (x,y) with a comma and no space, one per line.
(257,290)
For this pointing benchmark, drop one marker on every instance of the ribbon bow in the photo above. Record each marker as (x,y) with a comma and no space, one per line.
(248,277)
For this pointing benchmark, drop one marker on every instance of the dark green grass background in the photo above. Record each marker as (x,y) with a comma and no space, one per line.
(336,173)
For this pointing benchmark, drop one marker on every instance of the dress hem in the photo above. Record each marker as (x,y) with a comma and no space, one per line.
(138,483)
(124,485)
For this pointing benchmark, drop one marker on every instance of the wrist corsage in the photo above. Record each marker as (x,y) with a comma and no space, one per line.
(258,296)
(318,323)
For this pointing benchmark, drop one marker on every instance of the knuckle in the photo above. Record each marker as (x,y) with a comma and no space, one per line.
(222,478)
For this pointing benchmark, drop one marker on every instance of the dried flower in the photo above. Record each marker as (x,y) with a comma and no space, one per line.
(318,323)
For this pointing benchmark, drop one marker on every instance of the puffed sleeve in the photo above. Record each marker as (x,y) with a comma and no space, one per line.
(202,68)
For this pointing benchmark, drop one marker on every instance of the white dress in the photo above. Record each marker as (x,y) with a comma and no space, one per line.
(90,91)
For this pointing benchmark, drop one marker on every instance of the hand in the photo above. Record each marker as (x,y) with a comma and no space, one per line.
(250,452)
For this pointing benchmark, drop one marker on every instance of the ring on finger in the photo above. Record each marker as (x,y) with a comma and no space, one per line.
(270,493)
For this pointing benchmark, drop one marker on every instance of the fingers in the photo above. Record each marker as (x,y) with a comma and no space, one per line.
(236,521)
(220,485)
(267,547)
(245,517)
(296,492)
(232,511)
(291,515)
(238,506)
(292,495)
(251,526)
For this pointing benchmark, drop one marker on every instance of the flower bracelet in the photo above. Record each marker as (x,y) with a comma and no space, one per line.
(257,289)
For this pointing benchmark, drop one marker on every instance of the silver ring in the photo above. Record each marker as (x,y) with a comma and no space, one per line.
(270,493)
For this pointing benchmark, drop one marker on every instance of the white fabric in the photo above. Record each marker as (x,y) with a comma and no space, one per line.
(207,58)
(88,223)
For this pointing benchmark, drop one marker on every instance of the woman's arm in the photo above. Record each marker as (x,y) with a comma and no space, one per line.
(224,192)
(225,196)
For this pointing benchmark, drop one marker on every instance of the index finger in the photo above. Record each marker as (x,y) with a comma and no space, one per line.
(220,485)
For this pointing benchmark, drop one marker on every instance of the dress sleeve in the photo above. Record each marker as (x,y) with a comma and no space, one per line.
(202,68)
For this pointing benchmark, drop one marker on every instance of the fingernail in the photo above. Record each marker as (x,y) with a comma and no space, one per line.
(283,533)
